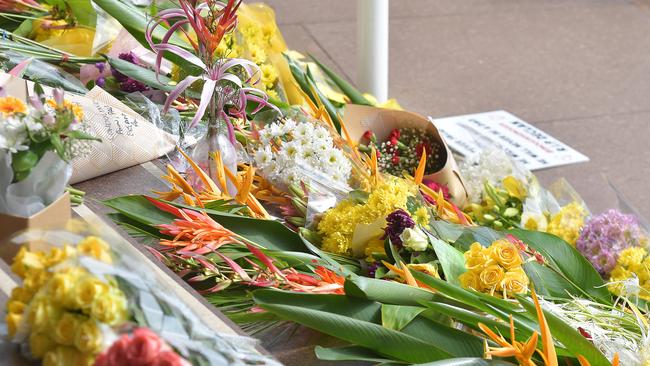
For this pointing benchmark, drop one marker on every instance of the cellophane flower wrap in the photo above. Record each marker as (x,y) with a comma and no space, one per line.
(80,291)
(37,141)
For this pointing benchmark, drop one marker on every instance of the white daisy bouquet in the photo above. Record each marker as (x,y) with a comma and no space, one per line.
(289,150)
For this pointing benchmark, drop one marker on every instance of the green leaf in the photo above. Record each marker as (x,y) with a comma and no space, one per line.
(397,317)
(387,342)
(270,234)
(137,208)
(569,337)
(568,261)
(329,107)
(144,75)
(348,353)
(24,161)
(387,292)
(350,91)
(451,259)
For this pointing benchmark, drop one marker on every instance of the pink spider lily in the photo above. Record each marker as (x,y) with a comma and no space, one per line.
(210,20)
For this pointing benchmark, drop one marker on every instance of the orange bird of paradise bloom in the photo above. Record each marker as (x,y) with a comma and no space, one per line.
(523,352)
(210,191)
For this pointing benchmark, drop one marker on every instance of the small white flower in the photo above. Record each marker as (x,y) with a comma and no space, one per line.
(288,126)
(32,125)
(263,157)
(303,130)
(276,130)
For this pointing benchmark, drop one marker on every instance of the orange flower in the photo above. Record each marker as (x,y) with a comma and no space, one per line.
(74,107)
(329,282)
(12,105)
(193,231)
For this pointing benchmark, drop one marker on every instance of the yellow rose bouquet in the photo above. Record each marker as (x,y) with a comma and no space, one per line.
(61,308)
(82,303)
(496,269)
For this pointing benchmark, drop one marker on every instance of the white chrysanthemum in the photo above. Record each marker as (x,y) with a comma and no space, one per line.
(276,130)
(263,157)
(303,148)
(288,126)
(490,165)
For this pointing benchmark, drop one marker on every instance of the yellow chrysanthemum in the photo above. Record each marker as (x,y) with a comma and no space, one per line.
(269,75)
(12,105)
(338,224)
(257,54)
(631,266)
(567,223)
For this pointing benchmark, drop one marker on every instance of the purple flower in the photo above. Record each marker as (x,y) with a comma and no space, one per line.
(100,66)
(604,236)
(372,269)
(126,83)
(101,81)
(397,221)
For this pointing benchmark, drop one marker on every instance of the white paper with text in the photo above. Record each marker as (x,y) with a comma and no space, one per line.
(525,143)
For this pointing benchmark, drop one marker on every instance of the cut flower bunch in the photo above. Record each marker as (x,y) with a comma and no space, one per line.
(293,198)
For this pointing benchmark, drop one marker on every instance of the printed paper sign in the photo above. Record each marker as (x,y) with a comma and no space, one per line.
(523,142)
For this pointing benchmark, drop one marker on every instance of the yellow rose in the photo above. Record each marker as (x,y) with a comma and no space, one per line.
(40,344)
(66,328)
(58,255)
(21,294)
(471,280)
(35,279)
(13,321)
(26,261)
(89,337)
(505,253)
(109,309)
(15,307)
(515,282)
(475,257)
(86,290)
(42,313)
(95,247)
(65,356)
(60,288)
(491,276)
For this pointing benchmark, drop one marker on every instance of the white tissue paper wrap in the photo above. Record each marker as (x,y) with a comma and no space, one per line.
(44,185)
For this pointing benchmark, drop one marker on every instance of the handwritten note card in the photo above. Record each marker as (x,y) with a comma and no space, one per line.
(523,142)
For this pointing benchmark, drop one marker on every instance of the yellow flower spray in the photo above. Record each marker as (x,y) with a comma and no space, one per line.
(496,269)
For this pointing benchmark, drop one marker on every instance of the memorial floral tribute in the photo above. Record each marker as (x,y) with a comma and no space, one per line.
(278,214)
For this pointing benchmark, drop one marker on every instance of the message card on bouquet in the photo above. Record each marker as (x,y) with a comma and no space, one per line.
(525,143)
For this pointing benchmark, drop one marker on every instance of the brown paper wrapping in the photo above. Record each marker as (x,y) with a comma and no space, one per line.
(56,215)
(359,119)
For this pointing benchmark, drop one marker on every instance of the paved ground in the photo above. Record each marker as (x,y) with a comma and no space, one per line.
(578,69)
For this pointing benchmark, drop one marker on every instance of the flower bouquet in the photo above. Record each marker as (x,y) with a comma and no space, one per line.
(382,127)
(81,303)
(38,140)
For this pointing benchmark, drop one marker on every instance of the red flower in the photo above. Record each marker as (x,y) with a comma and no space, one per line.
(367,135)
(395,159)
(436,187)
(393,140)
(144,347)
(395,133)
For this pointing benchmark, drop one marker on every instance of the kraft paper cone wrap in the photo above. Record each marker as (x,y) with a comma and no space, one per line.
(128,138)
(359,119)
